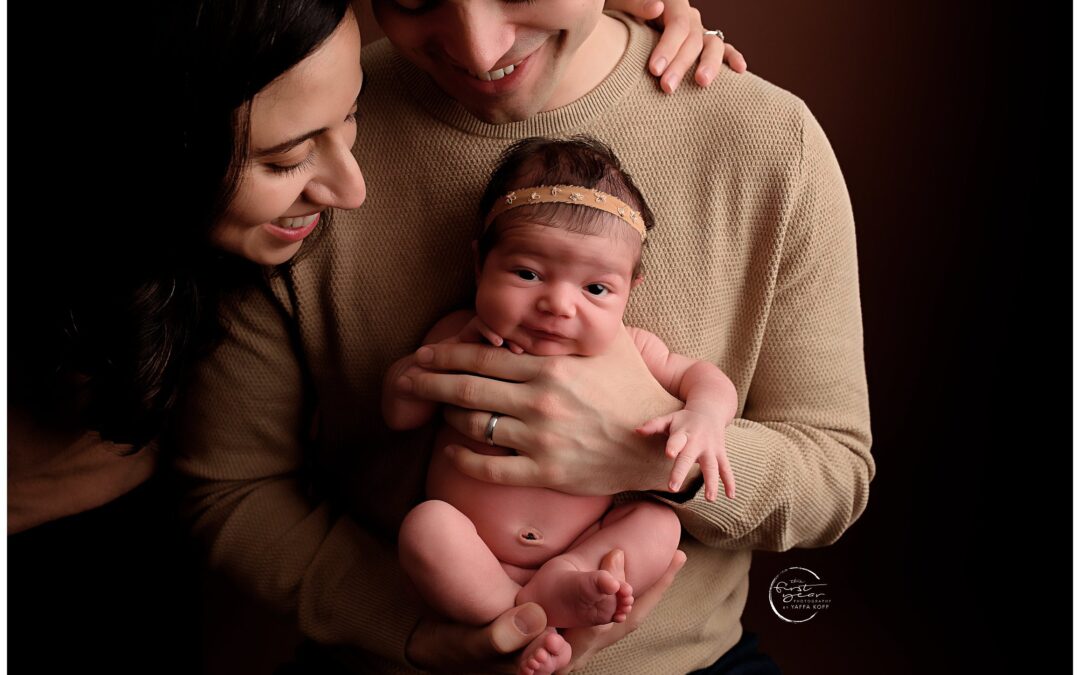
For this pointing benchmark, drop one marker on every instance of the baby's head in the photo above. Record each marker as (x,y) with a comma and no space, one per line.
(561,246)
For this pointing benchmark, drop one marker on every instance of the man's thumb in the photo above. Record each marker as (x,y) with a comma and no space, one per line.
(516,628)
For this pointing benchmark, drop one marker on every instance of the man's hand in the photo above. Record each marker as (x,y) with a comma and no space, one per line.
(571,419)
(682,41)
(585,642)
(444,646)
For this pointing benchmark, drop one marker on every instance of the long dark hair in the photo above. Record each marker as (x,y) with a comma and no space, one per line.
(116,289)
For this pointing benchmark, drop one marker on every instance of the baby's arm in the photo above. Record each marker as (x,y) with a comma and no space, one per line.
(695,433)
(400,410)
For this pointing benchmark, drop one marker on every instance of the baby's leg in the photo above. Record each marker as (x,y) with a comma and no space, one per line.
(452,568)
(575,592)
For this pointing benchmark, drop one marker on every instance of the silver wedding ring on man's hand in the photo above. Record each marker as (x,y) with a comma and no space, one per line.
(489,431)
(717,33)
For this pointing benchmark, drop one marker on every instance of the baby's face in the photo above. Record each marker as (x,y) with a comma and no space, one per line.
(556,292)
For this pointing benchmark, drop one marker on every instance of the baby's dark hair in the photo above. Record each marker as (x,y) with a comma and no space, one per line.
(579,160)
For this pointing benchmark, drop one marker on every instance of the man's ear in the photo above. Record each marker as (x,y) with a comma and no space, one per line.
(476,258)
(636,281)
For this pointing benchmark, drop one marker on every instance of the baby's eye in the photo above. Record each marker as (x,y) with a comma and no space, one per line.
(527,275)
(597,289)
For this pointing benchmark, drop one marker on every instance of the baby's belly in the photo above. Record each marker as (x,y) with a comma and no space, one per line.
(523,526)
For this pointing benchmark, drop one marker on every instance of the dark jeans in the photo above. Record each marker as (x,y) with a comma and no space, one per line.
(742,659)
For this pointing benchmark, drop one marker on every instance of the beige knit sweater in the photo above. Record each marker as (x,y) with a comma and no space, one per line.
(751,266)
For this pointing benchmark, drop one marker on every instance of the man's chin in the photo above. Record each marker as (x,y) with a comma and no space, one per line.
(500,115)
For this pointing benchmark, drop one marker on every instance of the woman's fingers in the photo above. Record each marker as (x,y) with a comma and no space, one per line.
(686,56)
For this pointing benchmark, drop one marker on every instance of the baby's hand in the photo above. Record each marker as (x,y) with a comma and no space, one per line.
(478,331)
(694,437)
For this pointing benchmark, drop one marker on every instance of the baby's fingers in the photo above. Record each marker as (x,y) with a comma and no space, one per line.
(678,472)
(727,475)
(491,336)
(656,425)
(711,475)
(675,444)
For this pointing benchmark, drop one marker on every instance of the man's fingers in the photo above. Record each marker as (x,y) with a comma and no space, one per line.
(464,391)
(509,431)
(514,629)
(479,359)
(501,469)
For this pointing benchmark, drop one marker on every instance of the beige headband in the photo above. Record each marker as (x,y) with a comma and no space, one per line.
(567,194)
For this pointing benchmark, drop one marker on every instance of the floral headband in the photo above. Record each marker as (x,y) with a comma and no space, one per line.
(567,194)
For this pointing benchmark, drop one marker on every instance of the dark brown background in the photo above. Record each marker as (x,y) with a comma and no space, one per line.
(951,123)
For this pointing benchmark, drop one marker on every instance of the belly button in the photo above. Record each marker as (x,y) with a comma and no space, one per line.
(530,536)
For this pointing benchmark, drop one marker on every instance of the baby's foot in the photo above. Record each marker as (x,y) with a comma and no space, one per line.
(600,598)
(544,655)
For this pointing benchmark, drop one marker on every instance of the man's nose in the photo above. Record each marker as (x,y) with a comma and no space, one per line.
(476,35)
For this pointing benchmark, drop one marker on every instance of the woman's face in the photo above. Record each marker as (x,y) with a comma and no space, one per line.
(303,125)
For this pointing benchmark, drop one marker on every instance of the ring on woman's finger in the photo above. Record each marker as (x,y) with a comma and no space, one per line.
(489,430)
(717,33)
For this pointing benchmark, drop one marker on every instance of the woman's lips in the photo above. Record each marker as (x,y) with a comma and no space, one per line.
(293,234)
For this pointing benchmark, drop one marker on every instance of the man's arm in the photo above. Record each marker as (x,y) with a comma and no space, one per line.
(801,447)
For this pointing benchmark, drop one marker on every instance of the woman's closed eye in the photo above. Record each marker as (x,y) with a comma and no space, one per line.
(285,169)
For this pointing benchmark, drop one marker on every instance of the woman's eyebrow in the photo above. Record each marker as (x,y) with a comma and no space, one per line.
(287,145)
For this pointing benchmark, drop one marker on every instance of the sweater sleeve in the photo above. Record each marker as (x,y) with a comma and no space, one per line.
(241,449)
(800,451)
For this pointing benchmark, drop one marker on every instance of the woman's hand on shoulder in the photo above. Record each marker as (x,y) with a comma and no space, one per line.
(682,41)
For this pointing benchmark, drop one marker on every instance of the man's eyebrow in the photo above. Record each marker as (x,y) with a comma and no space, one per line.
(281,148)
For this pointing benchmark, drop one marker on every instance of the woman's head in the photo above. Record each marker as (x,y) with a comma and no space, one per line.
(145,138)
(271,99)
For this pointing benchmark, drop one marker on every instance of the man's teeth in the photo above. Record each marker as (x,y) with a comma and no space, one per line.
(495,74)
(295,223)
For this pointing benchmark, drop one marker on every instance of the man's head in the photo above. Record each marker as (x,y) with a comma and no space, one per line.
(503,60)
